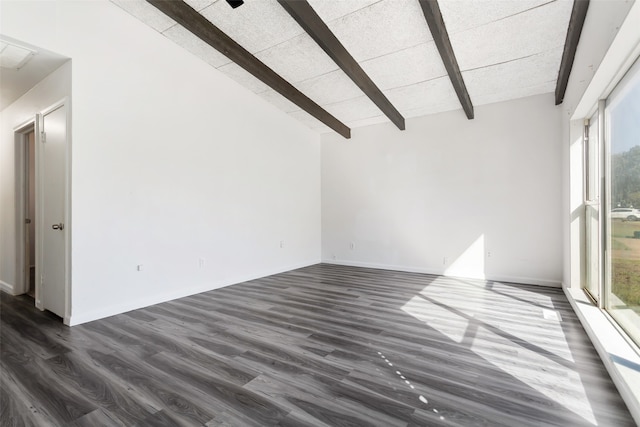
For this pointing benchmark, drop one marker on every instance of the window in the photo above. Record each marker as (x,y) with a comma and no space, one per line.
(622,200)
(612,203)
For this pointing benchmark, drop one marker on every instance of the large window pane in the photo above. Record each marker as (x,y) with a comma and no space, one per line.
(623,203)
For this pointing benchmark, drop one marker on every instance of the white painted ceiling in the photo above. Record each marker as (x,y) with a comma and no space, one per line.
(506,49)
(15,82)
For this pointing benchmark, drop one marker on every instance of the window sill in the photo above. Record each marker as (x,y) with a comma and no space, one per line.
(620,357)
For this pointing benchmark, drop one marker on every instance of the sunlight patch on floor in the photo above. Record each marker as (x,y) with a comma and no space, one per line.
(445,322)
(555,379)
(548,369)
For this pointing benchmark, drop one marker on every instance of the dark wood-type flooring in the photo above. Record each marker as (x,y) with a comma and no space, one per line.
(322,345)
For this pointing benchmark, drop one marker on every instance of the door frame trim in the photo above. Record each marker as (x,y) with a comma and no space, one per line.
(20,137)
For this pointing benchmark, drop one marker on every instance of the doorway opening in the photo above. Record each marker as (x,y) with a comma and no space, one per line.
(30,210)
(27,212)
(42,210)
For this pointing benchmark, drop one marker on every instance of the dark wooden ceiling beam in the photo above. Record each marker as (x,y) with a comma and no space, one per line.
(432,14)
(576,22)
(202,28)
(303,13)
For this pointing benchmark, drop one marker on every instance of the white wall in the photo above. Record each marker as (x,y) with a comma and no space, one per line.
(50,90)
(442,195)
(172,162)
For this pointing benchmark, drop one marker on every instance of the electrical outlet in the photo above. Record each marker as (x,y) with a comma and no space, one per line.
(281,244)
(201,262)
(488,254)
(352,246)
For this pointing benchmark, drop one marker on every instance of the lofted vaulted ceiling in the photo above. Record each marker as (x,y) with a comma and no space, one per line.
(484,51)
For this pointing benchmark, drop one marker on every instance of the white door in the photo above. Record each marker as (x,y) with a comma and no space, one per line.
(53,155)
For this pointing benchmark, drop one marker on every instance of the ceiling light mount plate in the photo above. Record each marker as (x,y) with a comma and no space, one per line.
(235,3)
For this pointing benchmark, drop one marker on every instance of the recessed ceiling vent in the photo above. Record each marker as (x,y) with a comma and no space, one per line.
(14,56)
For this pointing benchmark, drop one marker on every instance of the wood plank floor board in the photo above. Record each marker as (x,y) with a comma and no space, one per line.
(324,345)
(298,418)
(218,345)
(465,412)
(226,394)
(198,336)
(237,299)
(386,320)
(469,374)
(58,335)
(312,394)
(40,392)
(515,353)
(140,316)
(275,383)
(372,400)
(15,411)
(39,342)
(512,401)
(336,414)
(167,311)
(96,418)
(265,321)
(290,366)
(163,418)
(179,346)
(108,395)
(13,341)
(190,406)
(451,419)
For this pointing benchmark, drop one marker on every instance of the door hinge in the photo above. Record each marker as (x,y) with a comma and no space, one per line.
(43,136)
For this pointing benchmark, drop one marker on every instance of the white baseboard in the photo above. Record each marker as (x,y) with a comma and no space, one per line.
(5,287)
(413,269)
(80,318)
(618,355)
(526,281)
(10,289)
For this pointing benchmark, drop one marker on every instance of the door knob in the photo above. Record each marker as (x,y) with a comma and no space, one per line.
(58,226)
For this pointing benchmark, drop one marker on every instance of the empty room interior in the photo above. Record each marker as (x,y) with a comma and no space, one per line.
(320,213)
